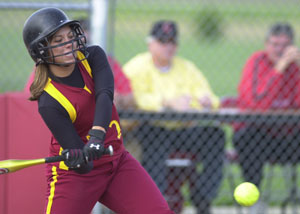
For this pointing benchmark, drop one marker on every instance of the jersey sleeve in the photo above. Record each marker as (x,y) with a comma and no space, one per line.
(104,87)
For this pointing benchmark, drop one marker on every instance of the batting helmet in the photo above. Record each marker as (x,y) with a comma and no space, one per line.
(43,24)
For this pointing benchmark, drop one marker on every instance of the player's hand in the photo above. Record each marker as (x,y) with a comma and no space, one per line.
(94,149)
(85,168)
(75,160)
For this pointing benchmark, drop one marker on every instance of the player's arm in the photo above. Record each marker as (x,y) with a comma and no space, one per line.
(104,87)
(104,93)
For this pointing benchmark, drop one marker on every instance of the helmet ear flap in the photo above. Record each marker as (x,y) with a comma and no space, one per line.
(37,51)
(33,53)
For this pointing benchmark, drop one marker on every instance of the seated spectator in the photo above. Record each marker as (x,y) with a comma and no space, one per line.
(270,81)
(162,81)
(123,97)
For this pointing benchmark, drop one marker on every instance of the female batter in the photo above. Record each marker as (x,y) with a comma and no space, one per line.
(74,88)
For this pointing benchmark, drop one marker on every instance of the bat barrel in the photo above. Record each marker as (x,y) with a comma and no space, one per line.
(15,165)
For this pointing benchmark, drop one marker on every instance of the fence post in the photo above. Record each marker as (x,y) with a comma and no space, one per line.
(99,18)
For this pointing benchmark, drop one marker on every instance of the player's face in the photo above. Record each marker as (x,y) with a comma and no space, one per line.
(163,51)
(63,52)
(276,45)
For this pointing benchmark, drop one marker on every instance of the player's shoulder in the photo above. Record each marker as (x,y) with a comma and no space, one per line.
(94,50)
(96,55)
(45,100)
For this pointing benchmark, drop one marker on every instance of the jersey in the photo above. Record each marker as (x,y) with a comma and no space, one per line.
(80,105)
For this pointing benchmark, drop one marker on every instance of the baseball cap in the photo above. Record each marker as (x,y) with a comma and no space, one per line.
(164,31)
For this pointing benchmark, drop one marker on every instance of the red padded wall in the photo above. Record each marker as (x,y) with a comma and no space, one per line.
(27,137)
(3,120)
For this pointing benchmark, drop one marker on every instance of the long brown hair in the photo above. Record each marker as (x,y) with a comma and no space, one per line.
(39,82)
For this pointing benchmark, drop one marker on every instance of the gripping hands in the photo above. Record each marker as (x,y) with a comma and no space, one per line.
(80,160)
(75,160)
(94,148)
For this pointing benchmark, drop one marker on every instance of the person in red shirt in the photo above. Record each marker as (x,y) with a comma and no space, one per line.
(74,87)
(270,81)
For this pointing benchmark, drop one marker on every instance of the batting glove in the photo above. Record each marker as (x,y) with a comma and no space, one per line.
(75,161)
(94,148)
(85,168)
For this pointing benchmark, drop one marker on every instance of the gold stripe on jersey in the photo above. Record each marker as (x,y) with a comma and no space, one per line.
(118,127)
(62,164)
(85,63)
(87,67)
(56,94)
(87,89)
(52,189)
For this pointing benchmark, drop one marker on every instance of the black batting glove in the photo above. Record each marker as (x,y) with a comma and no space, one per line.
(85,168)
(94,148)
(74,158)
(76,161)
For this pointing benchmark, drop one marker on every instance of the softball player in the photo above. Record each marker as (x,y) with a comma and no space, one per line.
(74,88)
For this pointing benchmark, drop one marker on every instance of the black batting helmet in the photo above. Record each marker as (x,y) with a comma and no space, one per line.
(43,24)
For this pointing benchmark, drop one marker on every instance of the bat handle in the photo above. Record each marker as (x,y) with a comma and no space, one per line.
(55,159)
(109,150)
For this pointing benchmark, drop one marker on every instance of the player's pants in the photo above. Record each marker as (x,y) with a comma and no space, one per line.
(122,185)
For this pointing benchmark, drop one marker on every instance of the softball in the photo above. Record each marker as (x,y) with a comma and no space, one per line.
(246,194)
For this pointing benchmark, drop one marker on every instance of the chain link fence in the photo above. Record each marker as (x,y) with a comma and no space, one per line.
(197,163)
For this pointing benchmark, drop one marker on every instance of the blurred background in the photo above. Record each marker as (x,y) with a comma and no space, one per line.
(217,35)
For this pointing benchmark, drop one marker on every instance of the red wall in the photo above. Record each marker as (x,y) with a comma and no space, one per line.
(23,135)
(2,152)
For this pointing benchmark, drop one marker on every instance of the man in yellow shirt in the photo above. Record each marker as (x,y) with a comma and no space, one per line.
(162,81)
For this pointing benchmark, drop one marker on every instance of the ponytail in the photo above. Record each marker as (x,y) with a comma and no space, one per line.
(39,82)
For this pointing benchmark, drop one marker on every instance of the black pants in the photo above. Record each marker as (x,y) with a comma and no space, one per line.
(203,146)
(257,145)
